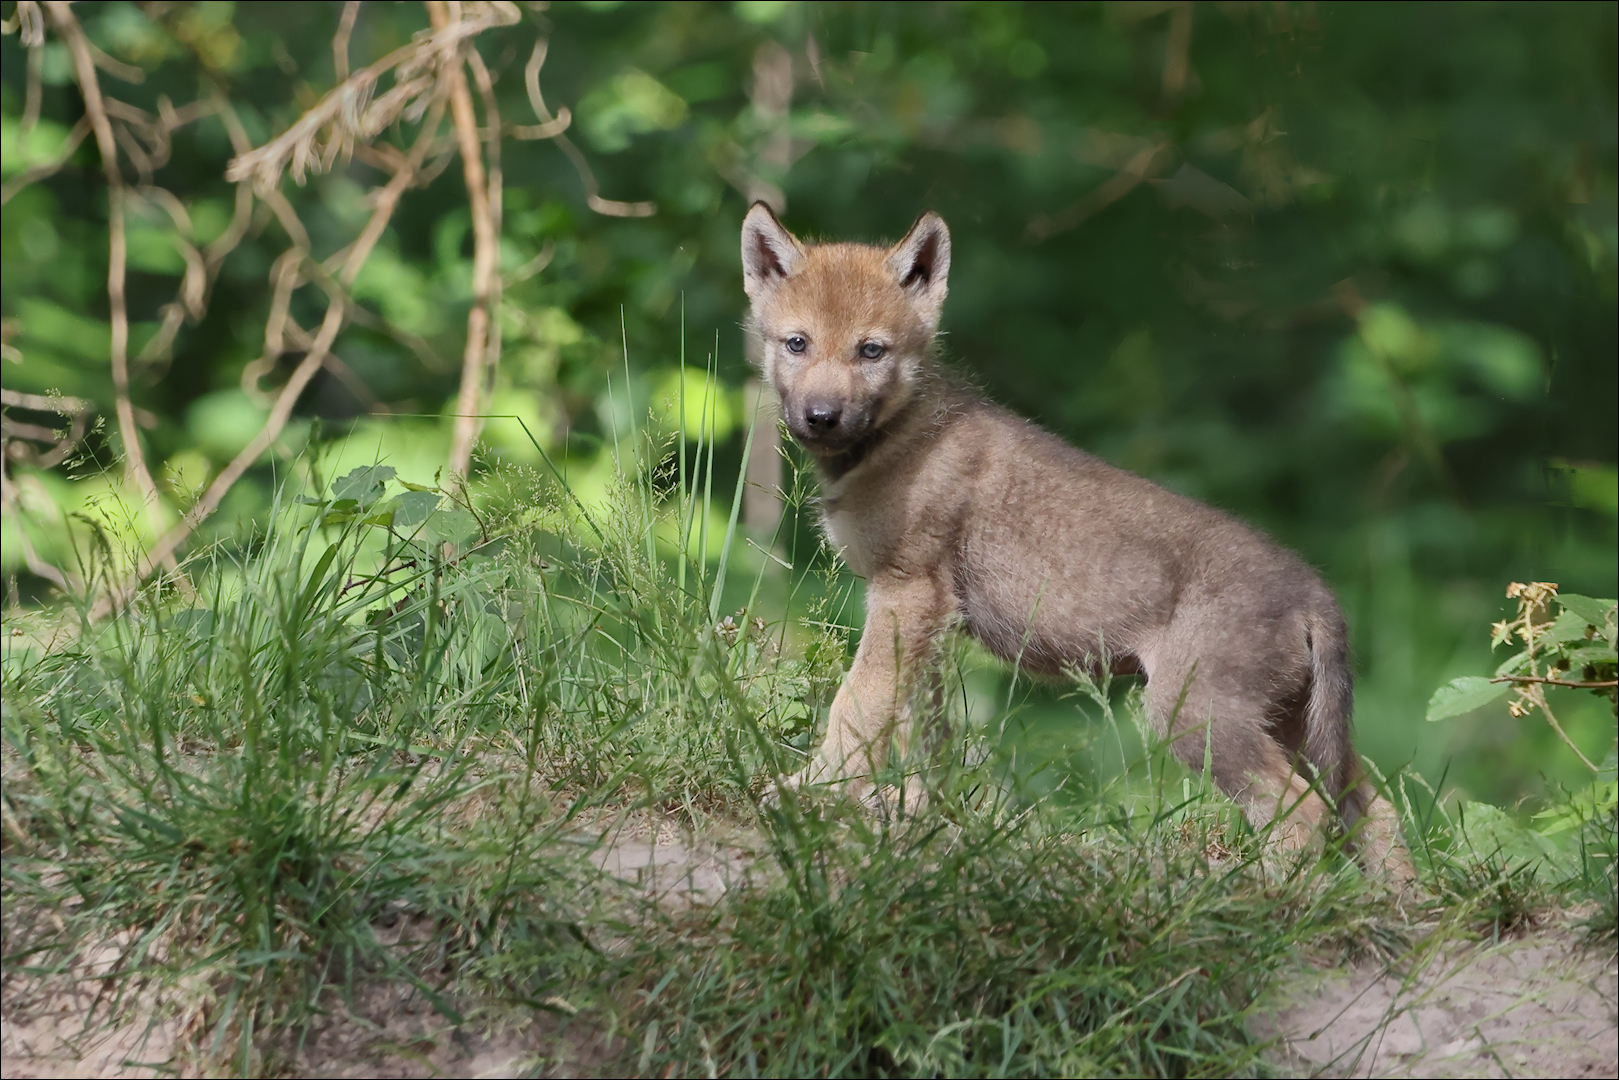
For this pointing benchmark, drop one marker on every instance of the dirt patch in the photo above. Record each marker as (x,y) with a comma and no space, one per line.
(1541,1006)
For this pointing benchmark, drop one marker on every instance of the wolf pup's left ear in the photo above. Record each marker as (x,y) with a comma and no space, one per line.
(770,253)
(921,265)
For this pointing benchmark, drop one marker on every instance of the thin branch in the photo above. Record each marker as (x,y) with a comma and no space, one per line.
(552,127)
(34,40)
(340,40)
(1538,696)
(496,285)
(1111,190)
(1176,59)
(485,256)
(95,108)
(11,499)
(16,435)
(40,172)
(55,403)
(285,274)
(193,287)
(549,126)
(384,205)
(243,215)
(334,364)
(348,113)
(1528,679)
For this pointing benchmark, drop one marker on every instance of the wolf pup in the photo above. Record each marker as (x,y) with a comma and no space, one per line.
(956,511)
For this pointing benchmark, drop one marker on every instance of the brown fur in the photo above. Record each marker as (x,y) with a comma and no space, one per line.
(957,511)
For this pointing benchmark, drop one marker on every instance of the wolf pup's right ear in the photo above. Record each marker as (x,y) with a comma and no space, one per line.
(770,253)
(921,265)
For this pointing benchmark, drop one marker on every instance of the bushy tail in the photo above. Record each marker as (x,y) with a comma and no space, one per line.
(1331,704)
(1370,821)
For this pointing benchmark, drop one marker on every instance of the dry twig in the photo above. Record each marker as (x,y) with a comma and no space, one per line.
(552,127)
(350,113)
(481,195)
(1111,190)
(385,202)
(95,108)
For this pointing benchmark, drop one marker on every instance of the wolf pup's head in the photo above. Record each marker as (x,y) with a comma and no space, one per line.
(845,327)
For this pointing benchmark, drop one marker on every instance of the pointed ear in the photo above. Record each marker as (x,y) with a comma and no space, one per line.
(770,253)
(921,265)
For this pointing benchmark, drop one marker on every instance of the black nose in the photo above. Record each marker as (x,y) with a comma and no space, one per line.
(821,416)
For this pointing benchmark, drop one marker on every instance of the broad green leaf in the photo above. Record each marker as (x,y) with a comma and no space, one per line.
(450,526)
(1514,664)
(1595,612)
(1570,626)
(414,507)
(364,484)
(1592,654)
(1599,798)
(1463,695)
(1493,833)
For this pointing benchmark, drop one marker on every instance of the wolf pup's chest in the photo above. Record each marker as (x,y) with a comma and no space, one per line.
(849,536)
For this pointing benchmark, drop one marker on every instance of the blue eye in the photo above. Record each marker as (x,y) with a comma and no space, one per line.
(871,350)
(796,344)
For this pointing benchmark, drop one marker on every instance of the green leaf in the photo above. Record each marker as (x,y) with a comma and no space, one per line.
(1597,613)
(489,550)
(364,485)
(1513,664)
(1570,626)
(414,507)
(1492,833)
(1599,799)
(1592,654)
(1463,695)
(450,526)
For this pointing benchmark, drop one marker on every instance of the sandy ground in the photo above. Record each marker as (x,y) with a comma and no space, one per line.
(1539,1006)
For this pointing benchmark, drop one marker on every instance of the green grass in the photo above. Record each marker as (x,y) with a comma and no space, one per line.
(389,706)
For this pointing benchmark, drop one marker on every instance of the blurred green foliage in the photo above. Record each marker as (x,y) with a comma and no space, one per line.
(1346,270)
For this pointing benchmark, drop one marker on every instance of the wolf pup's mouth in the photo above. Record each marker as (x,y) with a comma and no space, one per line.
(828,430)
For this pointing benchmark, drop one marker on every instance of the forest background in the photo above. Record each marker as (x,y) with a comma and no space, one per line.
(1347,271)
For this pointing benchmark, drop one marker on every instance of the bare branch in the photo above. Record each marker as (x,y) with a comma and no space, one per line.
(56,403)
(551,127)
(348,112)
(194,287)
(95,108)
(384,205)
(27,22)
(334,364)
(537,264)
(78,410)
(40,172)
(593,198)
(1525,680)
(33,39)
(1176,49)
(485,256)
(1106,194)
(340,40)
(12,501)
(482,354)
(287,279)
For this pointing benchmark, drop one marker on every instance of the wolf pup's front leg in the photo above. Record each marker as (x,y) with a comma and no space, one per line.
(872,711)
